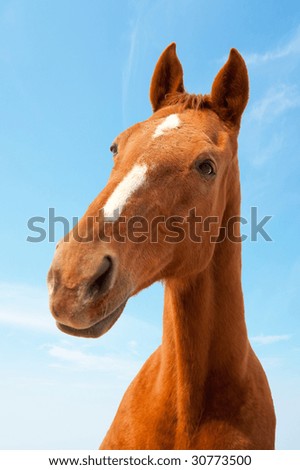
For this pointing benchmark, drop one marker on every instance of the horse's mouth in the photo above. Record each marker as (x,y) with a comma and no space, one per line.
(97,329)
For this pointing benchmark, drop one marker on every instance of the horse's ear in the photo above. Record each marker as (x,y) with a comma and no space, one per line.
(167,77)
(230,90)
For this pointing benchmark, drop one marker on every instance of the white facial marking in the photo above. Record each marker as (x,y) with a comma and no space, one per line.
(170,122)
(117,200)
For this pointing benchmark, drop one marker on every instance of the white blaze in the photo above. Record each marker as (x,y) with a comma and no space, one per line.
(117,200)
(170,122)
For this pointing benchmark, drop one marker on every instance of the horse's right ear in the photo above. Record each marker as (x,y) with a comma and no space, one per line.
(167,77)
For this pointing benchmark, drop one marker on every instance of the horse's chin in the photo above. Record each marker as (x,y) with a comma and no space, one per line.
(97,329)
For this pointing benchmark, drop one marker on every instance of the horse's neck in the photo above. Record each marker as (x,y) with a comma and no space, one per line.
(205,344)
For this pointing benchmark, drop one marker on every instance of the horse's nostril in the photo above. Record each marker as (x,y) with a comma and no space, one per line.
(102,279)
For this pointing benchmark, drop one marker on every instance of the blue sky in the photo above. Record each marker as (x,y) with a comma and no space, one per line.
(73,75)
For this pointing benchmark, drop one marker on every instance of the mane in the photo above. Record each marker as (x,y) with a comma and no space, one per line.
(189,101)
(196,102)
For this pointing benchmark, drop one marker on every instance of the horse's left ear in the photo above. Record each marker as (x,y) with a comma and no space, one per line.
(167,77)
(230,90)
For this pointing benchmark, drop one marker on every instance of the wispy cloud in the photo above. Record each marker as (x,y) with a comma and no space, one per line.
(266,113)
(269,339)
(291,48)
(76,358)
(267,151)
(127,70)
(276,101)
(33,321)
(25,307)
(133,347)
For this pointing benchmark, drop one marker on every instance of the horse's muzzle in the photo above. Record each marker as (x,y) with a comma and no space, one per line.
(88,305)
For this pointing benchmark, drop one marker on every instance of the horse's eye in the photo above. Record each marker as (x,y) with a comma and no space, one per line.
(206,167)
(114,149)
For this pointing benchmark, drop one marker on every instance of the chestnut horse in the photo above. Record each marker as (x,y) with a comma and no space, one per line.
(204,387)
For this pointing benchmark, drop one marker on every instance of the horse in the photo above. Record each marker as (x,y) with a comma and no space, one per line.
(170,213)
